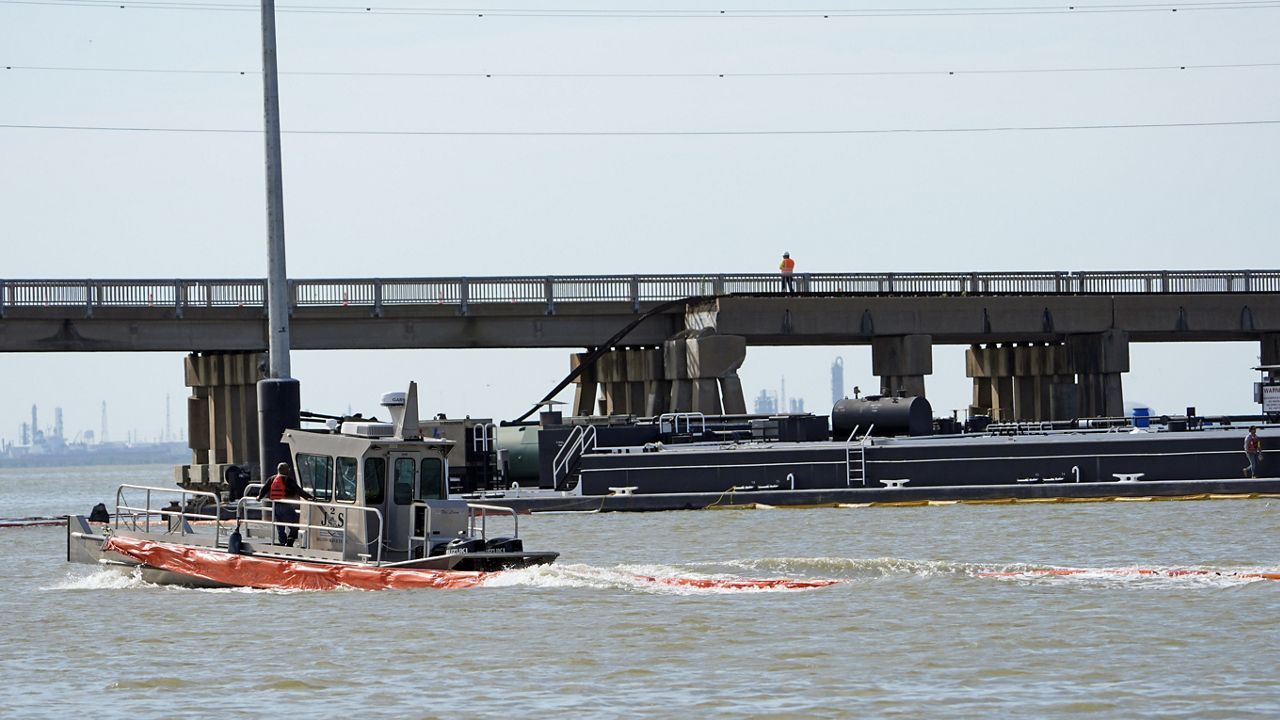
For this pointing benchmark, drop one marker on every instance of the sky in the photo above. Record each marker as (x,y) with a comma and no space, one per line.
(412,147)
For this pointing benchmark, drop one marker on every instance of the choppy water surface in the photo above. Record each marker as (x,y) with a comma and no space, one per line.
(914,630)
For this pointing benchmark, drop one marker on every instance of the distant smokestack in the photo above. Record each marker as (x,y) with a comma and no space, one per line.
(35,425)
(837,380)
(57,423)
(104,437)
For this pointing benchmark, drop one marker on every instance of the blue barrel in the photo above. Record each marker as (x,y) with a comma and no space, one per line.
(1141,417)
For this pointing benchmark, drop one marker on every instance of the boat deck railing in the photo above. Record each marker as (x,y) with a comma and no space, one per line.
(174,518)
(477,523)
(336,518)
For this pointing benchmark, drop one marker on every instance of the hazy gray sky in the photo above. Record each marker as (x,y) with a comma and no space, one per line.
(104,203)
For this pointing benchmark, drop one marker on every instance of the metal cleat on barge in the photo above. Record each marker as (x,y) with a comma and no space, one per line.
(380,518)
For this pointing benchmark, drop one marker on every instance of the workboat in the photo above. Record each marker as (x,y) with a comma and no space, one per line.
(380,517)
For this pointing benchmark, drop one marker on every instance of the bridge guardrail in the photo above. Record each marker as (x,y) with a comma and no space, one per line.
(376,293)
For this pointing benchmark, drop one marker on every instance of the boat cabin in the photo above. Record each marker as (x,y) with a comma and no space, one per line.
(375,479)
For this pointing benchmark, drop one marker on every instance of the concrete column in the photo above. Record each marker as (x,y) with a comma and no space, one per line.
(977,366)
(992,368)
(1270,354)
(675,370)
(712,358)
(611,369)
(222,416)
(585,387)
(901,362)
(650,389)
(1099,359)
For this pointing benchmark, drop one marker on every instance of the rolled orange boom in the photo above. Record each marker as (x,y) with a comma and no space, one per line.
(277,574)
(1134,571)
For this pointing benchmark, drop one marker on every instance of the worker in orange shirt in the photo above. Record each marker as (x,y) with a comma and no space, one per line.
(787,267)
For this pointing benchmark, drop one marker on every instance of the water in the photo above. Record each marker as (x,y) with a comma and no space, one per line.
(913,631)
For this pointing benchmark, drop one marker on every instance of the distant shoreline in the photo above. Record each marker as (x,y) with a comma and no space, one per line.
(148,456)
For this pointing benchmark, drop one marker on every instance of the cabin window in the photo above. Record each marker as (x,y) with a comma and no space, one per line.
(404,481)
(431,480)
(375,480)
(315,475)
(345,489)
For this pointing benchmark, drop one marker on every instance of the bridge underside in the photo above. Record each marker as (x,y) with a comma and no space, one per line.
(761,319)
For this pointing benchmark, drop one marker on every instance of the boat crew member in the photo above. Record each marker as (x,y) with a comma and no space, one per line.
(787,267)
(1253,451)
(283,486)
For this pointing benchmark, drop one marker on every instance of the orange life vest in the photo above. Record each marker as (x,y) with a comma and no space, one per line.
(787,265)
(277,490)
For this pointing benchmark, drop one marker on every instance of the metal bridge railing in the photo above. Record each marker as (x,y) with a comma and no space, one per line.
(461,293)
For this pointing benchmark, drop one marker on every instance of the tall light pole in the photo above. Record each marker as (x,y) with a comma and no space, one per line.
(278,396)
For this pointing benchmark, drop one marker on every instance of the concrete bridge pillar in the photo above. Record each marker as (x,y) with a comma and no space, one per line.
(713,362)
(901,362)
(1021,382)
(631,379)
(222,416)
(1098,360)
(700,373)
(1270,354)
(585,387)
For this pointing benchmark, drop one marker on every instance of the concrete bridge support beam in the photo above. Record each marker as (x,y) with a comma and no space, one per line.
(585,387)
(611,369)
(1270,354)
(901,362)
(1098,360)
(713,361)
(632,381)
(222,416)
(675,370)
(1021,382)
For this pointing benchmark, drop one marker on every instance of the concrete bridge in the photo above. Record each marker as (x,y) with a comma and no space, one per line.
(1042,345)
(583,311)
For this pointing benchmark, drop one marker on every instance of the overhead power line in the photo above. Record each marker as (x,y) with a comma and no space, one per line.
(657,75)
(650,133)
(670,13)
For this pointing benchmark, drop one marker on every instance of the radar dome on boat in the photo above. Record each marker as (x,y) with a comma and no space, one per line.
(392,399)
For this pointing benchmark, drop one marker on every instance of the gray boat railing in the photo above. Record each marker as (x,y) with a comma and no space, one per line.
(477,523)
(174,516)
(549,290)
(308,531)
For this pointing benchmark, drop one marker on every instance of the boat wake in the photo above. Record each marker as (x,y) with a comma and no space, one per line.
(662,579)
(785,574)
(854,569)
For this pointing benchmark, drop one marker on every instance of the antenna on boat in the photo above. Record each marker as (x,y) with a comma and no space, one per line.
(403,407)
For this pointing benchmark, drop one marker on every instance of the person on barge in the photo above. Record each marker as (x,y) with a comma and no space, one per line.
(1252,451)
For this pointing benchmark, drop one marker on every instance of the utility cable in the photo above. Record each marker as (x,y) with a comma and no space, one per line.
(651,133)
(656,75)
(671,14)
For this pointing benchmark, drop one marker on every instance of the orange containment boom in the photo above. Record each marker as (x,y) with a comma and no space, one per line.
(1133,572)
(718,584)
(278,574)
(275,574)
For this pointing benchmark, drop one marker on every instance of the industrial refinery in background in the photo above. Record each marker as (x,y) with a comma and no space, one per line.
(49,445)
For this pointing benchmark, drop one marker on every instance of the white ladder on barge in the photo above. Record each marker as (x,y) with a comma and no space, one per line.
(855,457)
